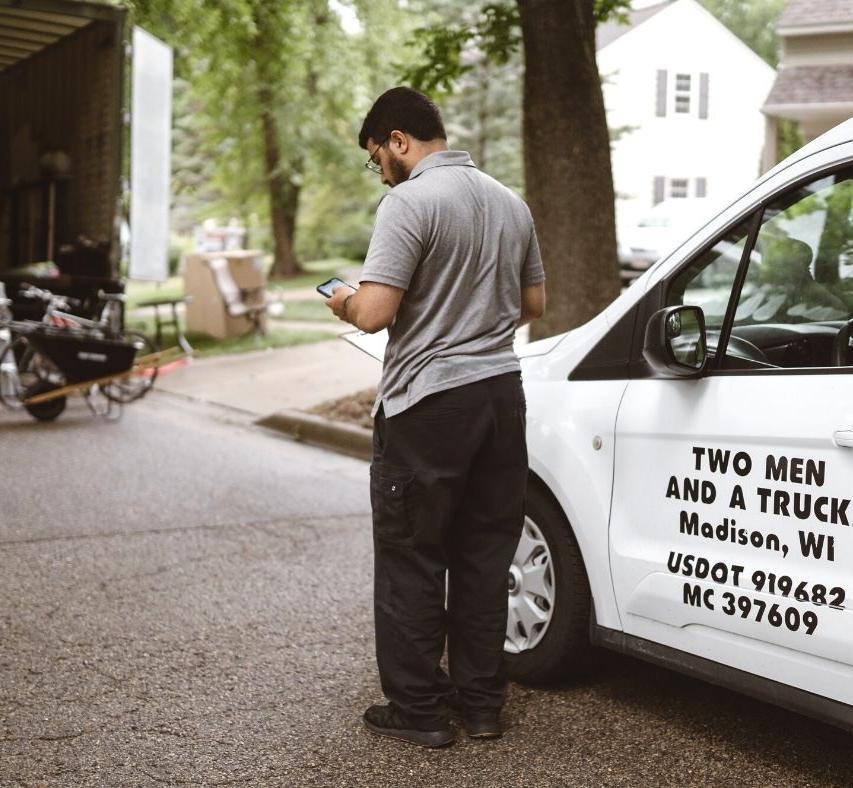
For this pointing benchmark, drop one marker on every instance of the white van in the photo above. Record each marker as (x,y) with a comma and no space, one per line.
(691,457)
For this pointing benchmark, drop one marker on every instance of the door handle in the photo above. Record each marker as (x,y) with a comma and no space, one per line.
(843,438)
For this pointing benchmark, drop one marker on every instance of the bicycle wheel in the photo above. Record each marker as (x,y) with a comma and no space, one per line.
(138,383)
(24,373)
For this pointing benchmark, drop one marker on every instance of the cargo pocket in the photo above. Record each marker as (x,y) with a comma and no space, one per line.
(392,499)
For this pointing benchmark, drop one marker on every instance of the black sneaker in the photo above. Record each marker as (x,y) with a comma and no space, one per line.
(482,724)
(387,721)
(479,723)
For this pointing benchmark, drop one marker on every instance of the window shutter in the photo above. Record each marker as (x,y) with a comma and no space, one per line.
(660,109)
(701,186)
(703,96)
(659,186)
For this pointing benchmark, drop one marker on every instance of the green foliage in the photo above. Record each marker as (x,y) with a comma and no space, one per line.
(753,21)
(244,61)
(178,247)
(789,138)
(239,59)
(493,32)
(470,54)
(607,10)
(441,64)
(499,32)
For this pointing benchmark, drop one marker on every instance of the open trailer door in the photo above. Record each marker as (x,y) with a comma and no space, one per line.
(150,155)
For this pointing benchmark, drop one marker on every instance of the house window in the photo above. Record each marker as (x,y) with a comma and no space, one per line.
(682,93)
(678,187)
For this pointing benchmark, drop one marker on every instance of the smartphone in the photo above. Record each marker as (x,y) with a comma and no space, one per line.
(328,286)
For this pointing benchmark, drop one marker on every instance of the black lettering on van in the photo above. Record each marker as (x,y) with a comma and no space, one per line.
(694,490)
(694,596)
(797,470)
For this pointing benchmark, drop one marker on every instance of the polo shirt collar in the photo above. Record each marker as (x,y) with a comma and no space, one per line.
(442,158)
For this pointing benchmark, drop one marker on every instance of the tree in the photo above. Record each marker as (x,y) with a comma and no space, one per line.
(273,78)
(567,161)
(753,22)
(568,180)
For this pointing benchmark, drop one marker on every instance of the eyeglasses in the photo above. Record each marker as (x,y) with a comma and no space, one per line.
(371,163)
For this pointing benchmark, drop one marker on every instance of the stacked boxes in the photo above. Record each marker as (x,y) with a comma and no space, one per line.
(207,310)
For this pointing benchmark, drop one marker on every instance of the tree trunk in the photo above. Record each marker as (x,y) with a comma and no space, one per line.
(284,197)
(569,184)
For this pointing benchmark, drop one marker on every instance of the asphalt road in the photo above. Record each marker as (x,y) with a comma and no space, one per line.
(185,600)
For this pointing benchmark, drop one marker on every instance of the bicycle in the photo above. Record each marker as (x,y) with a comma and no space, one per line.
(65,348)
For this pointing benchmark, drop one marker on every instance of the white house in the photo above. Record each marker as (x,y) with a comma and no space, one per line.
(692,94)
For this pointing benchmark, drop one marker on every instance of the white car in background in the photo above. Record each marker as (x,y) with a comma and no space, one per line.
(657,231)
(691,457)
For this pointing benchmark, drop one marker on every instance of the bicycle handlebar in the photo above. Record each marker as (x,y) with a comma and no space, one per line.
(53,300)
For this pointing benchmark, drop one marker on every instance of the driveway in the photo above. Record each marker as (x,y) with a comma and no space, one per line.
(185,599)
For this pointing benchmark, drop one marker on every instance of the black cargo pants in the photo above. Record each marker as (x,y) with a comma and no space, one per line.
(447,489)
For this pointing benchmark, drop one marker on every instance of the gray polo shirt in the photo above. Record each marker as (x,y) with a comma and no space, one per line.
(462,246)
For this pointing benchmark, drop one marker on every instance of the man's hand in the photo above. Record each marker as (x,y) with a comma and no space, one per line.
(371,308)
(337,302)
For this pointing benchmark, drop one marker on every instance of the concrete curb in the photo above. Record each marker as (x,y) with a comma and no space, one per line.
(318,431)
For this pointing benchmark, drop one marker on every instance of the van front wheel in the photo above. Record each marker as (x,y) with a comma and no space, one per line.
(547,633)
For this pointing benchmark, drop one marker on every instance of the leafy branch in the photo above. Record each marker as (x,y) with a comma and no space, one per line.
(495,36)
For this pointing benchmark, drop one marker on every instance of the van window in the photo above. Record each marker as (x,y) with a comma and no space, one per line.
(708,281)
(798,292)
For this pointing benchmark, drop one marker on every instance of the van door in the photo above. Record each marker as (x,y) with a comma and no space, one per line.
(730,531)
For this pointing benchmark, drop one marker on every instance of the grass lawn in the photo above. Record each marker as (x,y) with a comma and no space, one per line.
(137,291)
(300,309)
(304,309)
(206,346)
(316,271)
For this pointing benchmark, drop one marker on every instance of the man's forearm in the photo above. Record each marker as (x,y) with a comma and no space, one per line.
(359,312)
(370,308)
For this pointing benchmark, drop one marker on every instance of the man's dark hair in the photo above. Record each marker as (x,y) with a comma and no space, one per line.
(402,109)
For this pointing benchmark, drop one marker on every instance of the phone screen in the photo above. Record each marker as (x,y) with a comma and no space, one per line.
(328,286)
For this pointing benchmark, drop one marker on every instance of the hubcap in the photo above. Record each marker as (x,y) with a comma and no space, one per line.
(515,580)
(531,591)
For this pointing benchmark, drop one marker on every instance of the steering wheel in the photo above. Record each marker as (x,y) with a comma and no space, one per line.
(738,347)
(743,348)
(841,345)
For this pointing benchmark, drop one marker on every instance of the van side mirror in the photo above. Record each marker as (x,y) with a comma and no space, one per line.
(675,343)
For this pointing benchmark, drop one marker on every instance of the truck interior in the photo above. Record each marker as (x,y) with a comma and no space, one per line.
(61,128)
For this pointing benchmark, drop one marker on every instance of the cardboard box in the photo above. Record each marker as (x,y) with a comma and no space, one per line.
(207,312)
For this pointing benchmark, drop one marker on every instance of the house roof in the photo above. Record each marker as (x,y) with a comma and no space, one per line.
(608,32)
(815,13)
(812,85)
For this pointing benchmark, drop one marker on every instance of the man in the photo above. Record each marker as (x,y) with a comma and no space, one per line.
(452,269)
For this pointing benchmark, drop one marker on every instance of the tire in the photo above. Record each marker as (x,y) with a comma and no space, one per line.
(44,411)
(561,645)
(32,374)
(136,386)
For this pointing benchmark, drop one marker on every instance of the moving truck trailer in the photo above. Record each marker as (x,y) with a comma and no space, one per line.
(62,77)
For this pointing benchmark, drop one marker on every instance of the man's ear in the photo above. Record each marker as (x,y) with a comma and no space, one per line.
(399,143)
